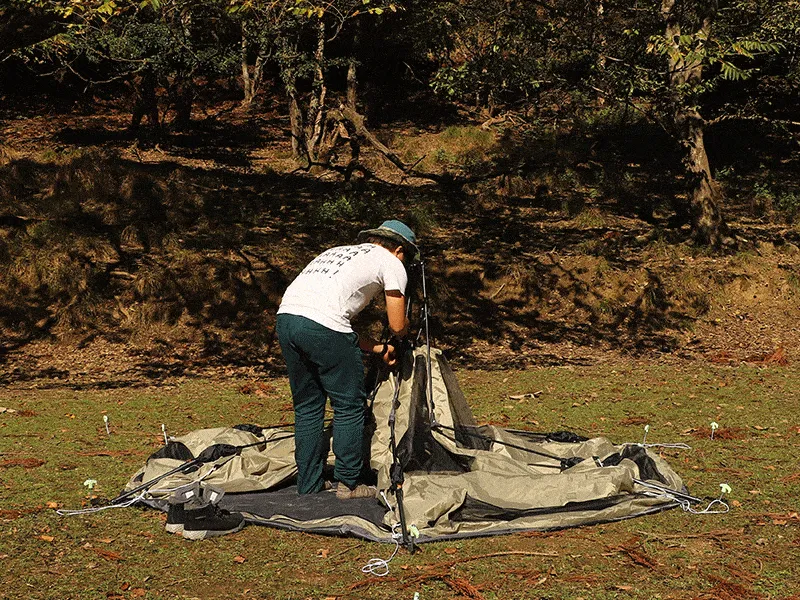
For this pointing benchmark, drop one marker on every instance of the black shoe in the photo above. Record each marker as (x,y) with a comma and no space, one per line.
(210,521)
(176,517)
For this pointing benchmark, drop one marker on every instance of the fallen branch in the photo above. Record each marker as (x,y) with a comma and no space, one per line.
(462,586)
(369,581)
(358,128)
(494,555)
(717,536)
(440,571)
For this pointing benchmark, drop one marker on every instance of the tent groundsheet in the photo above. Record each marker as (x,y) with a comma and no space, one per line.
(460,479)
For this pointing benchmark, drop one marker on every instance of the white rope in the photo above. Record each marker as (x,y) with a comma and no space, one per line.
(94,509)
(677,445)
(379,567)
(687,507)
(683,500)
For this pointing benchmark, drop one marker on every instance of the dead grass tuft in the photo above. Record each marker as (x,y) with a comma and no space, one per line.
(729,590)
(777,357)
(7,154)
(457,147)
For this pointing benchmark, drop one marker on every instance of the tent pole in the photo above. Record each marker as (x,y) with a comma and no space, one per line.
(428,345)
(183,468)
(565,463)
(396,471)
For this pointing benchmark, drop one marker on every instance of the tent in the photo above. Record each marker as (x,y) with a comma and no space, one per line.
(441,475)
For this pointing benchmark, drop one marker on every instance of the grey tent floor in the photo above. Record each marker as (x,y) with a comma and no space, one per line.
(308,507)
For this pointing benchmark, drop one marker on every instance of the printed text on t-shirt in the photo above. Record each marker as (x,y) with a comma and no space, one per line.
(331,261)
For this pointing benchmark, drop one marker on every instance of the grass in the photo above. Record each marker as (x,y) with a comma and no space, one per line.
(456,147)
(747,553)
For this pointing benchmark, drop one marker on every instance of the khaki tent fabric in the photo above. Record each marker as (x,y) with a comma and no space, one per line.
(453,488)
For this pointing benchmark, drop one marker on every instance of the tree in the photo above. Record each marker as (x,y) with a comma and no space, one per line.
(491,53)
(262,24)
(702,43)
(149,44)
(305,63)
(685,50)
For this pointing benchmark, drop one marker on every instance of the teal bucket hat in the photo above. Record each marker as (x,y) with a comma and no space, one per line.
(397,231)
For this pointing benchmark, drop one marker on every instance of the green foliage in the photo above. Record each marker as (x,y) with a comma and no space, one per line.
(789,204)
(769,197)
(495,52)
(349,207)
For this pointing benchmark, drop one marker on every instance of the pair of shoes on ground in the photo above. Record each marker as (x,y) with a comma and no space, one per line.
(202,523)
(345,493)
(360,491)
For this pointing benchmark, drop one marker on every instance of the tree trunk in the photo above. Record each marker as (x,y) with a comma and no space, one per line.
(704,194)
(315,121)
(145,103)
(352,68)
(352,84)
(296,124)
(250,83)
(184,99)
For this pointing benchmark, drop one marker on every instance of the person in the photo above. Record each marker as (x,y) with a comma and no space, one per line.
(323,353)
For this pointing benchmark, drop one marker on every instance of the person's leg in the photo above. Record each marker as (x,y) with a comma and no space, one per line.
(342,375)
(309,402)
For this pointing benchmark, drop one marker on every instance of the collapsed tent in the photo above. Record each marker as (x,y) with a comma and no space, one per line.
(441,476)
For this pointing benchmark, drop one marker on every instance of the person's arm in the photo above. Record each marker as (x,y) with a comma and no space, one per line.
(398,327)
(396,313)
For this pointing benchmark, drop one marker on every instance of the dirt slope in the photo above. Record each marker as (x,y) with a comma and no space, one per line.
(195,235)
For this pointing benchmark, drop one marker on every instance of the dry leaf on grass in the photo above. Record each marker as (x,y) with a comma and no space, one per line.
(46,538)
(108,554)
(239,559)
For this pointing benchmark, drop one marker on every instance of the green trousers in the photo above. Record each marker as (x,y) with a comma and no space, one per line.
(322,364)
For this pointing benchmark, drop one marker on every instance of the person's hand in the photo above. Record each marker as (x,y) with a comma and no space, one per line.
(389,354)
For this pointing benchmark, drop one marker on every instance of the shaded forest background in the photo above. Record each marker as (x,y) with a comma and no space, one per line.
(589,180)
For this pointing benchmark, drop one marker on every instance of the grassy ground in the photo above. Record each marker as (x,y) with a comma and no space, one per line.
(55,439)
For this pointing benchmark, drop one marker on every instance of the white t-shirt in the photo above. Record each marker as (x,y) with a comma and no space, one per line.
(340,282)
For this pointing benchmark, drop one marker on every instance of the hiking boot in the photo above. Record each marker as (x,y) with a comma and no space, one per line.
(361,491)
(210,521)
(176,517)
